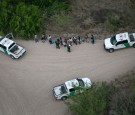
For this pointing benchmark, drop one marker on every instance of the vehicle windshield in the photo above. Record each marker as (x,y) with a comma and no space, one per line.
(63,89)
(81,83)
(113,40)
(1,38)
(13,47)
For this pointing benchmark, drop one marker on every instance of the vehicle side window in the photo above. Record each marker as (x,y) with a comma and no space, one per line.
(121,42)
(131,37)
(0,46)
(118,43)
(72,90)
(125,41)
(3,47)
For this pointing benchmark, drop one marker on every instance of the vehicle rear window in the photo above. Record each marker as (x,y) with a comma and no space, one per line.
(131,37)
(81,83)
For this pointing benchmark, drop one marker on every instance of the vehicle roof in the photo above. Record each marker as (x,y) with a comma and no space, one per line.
(122,36)
(71,84)
(6,42)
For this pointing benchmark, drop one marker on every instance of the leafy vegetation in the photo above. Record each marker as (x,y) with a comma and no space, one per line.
(91,102)
(116,98)
(26,20)
(26,17)
(66,16)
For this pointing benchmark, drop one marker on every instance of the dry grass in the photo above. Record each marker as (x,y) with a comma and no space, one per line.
(89,16)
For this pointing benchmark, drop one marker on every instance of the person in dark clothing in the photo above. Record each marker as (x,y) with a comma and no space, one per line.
(92,39)
(79,39)
(61,42)
(57,44)
(43,37)
(68,47)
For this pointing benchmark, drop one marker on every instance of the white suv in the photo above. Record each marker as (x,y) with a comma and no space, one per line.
(11,48)
(118,41)
(69,88)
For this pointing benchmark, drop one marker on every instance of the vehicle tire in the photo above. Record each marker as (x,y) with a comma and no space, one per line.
(12,57)
(64,98)
(133,45)
(111,50)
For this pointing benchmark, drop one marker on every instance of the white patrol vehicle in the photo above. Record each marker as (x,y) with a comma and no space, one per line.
(11,48)
(63,91)
(122,40)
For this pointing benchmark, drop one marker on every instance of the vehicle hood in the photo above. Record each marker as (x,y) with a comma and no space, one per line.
(20,50)
(57,90)
(87,82)
(107,43)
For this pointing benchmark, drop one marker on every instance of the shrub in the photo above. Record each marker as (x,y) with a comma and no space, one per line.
(61,19)
(26,20)
(113,22)
(91,102)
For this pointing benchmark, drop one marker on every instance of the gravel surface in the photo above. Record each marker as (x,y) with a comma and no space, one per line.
(26,84)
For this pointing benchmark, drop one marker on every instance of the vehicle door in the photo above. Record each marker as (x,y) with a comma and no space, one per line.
(121,44)
(10,36)
(3,49)
(72,91)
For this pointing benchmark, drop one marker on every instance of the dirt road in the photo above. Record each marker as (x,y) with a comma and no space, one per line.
(26,84)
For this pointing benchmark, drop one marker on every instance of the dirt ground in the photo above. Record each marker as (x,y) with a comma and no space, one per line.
(26,84)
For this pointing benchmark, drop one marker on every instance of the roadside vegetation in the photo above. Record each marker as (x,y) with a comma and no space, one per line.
(115,98)
(26,17)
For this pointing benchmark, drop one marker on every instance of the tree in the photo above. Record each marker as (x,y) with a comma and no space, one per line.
(91,102)
(5,16)
(26,20)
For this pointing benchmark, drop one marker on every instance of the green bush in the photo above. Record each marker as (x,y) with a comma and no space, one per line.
(5,16)
(91,102)
(61,19)
(26,17)
(113,22)
(26,20)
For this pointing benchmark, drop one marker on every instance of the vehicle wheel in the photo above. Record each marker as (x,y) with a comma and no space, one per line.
(111,50)
(134,45)
(64,98)
(12,57)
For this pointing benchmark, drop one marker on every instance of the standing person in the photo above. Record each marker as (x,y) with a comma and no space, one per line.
(75,40)
(70,41)
(68,47)
(92,39)
(79,40)
(50,39)
(43,37)
(87,38)
(65,42)
(57,44)
(35,38)
(61,42)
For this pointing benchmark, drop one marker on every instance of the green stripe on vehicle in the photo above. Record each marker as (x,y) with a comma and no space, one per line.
(126,45)
(5,51)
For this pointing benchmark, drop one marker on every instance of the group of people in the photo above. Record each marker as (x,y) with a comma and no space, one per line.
(43,37)
(66,42)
